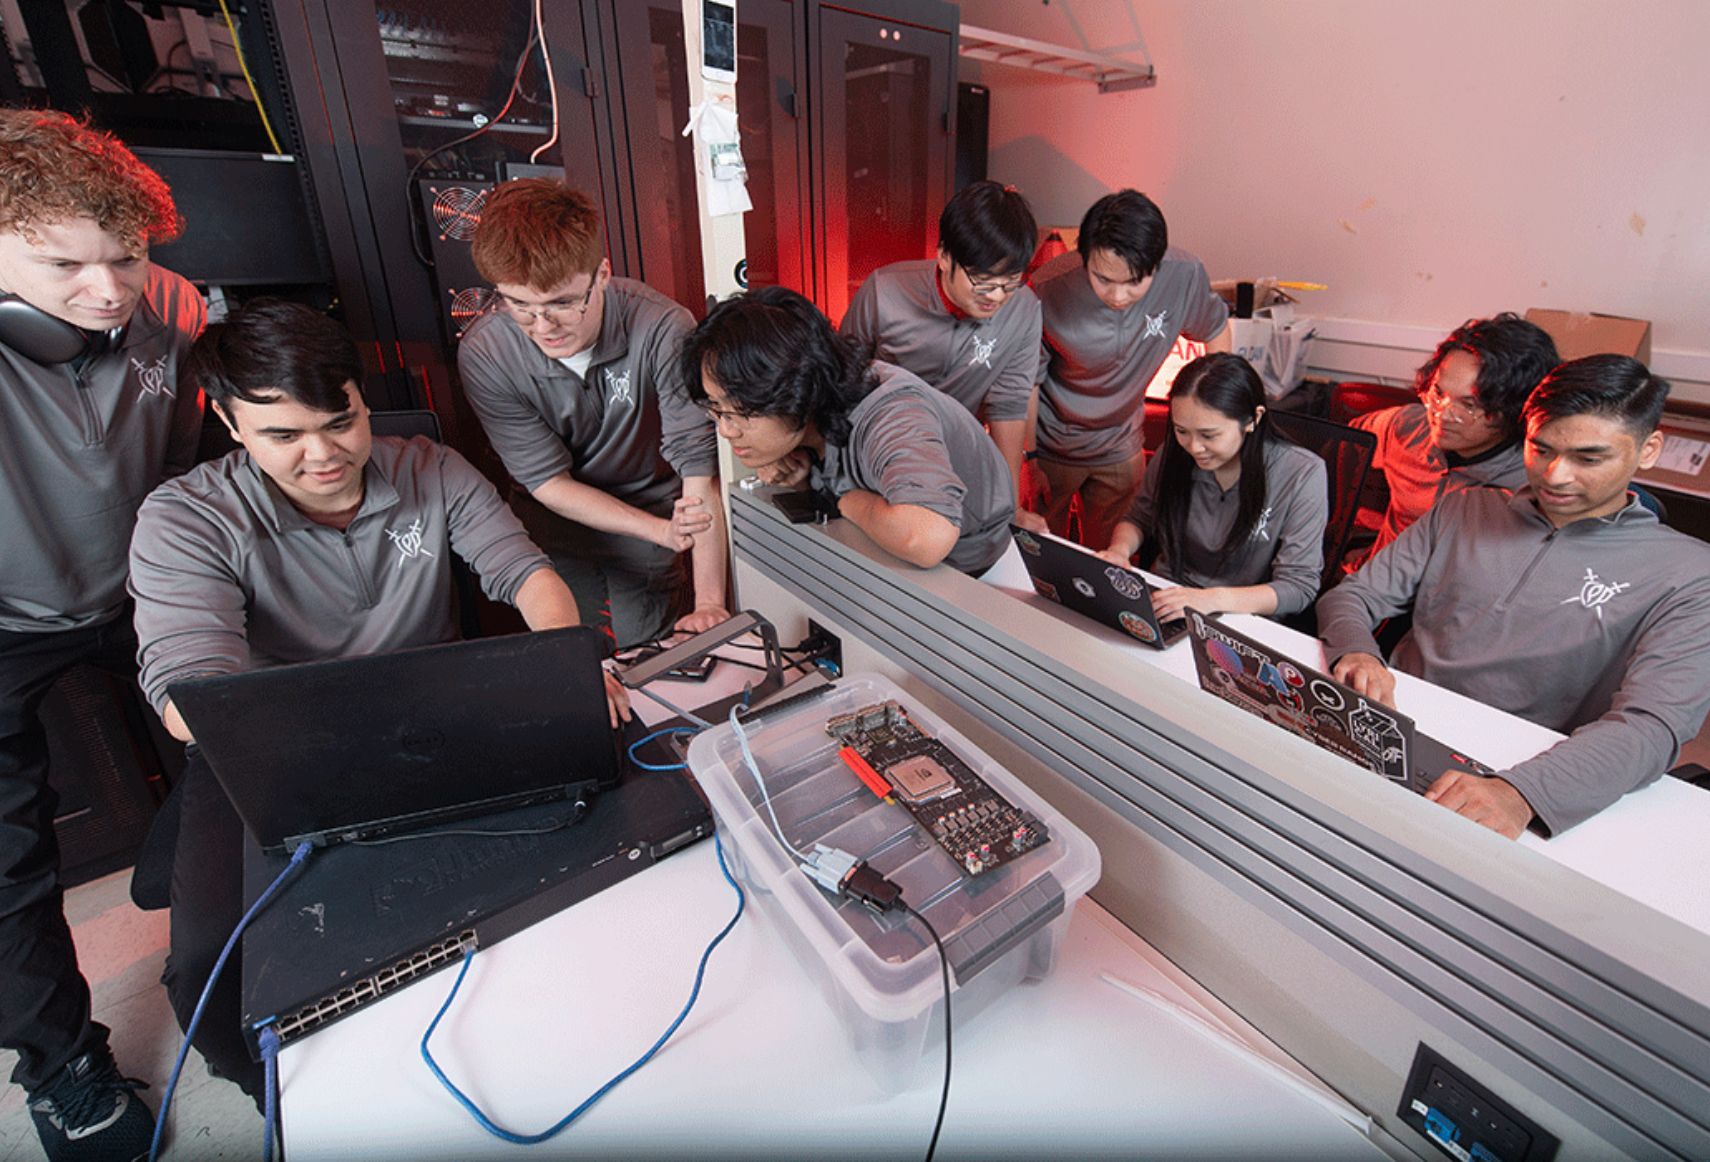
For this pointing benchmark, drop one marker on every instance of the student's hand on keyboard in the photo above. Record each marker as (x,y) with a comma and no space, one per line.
(1367,675)
(1486,800)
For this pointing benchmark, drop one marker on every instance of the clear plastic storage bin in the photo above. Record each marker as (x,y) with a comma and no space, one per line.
(881,973)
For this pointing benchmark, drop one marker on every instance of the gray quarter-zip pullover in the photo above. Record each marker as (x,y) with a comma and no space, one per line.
(80,446)
(913,445)
(228,575)
(1600,629)
(1286,548)
(1098,361)
(987,365)
(626,429)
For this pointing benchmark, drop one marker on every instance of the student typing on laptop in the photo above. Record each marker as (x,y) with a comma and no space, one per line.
(1566,603)
(313,541)
(1237,511)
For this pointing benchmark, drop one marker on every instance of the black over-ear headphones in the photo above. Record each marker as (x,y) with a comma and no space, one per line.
(48,340)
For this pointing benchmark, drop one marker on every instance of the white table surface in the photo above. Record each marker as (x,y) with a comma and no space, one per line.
(1649,845)
(1115,1053)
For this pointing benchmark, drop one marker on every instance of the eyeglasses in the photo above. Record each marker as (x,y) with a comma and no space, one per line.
(720,415)
(1006,288)
(561,311)
(1465,410)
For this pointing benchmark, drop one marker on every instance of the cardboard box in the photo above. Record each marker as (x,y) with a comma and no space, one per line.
(1578,333)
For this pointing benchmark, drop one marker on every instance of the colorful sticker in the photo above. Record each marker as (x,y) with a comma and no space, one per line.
(1028,544)
(1137,626)
(1046,589)
(1125,583)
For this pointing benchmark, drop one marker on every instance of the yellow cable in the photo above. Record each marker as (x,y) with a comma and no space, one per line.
(237,46)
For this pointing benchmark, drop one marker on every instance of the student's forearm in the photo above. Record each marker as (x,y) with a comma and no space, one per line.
(589,506)
(545,601)
(917,535)
(1125,539)
(1260,599)
(1010,436)
(709,558)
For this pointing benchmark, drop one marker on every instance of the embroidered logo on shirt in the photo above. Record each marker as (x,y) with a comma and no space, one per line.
(1262,529)
(983,353)
(619,385)
(409,542)
(1594,592)
(151,377)
(1155,325)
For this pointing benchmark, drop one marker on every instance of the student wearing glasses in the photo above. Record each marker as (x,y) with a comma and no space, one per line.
(1111,313)
(966,322)
(805,406)
(572,376)
(1237,512)
(1565,603)
(1465,430)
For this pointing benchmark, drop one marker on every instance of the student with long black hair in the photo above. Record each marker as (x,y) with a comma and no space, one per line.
(1236,510)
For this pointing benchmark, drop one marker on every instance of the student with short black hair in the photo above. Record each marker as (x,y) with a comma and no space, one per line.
(1111,313)
(1237,510)
(314,540)
(966,322)
(804,405)
(1566,603)
(1465,430)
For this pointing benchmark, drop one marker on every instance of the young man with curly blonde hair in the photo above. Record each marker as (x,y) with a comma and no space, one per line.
(92,418)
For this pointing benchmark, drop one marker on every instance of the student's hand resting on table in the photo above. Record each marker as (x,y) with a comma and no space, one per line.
(1485,799)
(701,618)
(1367,675)
(617,701)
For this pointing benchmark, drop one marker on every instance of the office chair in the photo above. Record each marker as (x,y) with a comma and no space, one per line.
(1347,455)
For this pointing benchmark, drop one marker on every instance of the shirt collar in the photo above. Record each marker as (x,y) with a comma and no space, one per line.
(1523,502)
(950,308)
(378,495)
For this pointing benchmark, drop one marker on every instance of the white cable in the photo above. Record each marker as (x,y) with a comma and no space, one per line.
(765,796)
(551,84)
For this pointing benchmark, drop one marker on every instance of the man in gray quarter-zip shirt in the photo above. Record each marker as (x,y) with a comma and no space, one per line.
(574,381)
(1111,313)
(1465,431)
(312,541)
(1566,604)
(92,416)
(966,323)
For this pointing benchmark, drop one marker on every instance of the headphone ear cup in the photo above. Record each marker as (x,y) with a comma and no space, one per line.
(39,336)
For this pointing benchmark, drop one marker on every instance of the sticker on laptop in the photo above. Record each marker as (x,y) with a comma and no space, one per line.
(1328,694)
(1047,590)
(1028,544)
(1084,588)
(1137,626)
(1125,583)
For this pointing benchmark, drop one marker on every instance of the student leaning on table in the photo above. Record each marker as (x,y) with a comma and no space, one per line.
(1567,604)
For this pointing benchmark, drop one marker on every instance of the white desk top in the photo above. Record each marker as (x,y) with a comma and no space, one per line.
(1074,1065)
(1649,845)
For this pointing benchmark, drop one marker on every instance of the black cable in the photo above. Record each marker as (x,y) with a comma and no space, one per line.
(944,966)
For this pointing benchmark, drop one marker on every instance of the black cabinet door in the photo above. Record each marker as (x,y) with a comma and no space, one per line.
(884,145)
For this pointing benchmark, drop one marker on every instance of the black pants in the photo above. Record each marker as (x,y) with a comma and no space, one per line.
(44,1000)
(207,903)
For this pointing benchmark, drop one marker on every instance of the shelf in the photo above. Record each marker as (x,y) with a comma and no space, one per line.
(1111,74)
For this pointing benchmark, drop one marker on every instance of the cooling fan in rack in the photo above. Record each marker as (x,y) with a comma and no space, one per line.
(457,211)
(467,305)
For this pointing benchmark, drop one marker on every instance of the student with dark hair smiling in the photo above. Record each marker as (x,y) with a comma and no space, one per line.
(1236,510)
(1465,430)
(966,322)
(1566,603)
(1111,313)
(803,405)
(314,540)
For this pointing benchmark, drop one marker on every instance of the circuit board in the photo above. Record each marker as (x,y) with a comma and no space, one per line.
(975,825)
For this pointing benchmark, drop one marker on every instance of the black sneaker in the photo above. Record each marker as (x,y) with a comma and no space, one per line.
(89,1113)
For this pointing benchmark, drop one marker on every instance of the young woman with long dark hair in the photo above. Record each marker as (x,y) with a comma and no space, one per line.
(1236,510)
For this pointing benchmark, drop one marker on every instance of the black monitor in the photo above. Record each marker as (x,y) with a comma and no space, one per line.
(246,218)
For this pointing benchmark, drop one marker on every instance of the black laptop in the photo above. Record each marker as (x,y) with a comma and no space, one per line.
(1275,687)
(1088,584)
(357,748)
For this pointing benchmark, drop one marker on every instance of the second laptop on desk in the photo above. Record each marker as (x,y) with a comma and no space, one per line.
(1083,581)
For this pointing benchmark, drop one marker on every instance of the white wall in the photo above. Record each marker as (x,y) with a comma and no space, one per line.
(1430,162)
